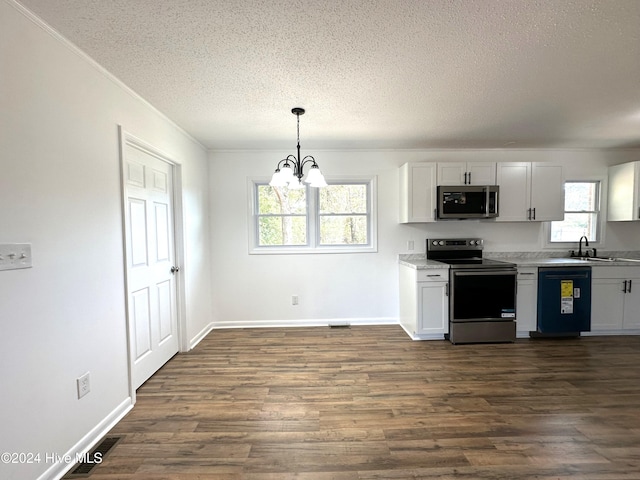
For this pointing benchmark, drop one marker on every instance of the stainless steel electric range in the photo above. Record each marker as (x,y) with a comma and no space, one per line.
(482,292)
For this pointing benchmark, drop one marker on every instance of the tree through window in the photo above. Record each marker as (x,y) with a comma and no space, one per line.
(282,216)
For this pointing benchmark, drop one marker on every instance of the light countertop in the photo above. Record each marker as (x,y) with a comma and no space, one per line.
(419,261)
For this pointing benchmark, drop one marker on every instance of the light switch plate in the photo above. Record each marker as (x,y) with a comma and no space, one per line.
(15,255)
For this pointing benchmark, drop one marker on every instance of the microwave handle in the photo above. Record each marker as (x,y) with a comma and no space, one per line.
(487,196)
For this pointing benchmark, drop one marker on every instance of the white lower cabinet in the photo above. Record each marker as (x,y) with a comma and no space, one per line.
(527,301)
(615,299)
(424,307)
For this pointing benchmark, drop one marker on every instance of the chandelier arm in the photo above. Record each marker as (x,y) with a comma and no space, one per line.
(297,167)
(283,161)
(308,159)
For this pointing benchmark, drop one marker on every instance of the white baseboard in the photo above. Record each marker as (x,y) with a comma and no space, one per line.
(203,333)
(603,333)
(313,322)
(86,443)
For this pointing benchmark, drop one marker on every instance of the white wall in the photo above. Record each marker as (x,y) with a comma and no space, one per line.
(257,289)
(60,191)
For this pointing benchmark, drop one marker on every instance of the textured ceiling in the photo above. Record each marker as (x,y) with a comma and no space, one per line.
(373,73)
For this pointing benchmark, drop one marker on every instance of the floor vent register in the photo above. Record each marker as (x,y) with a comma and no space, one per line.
(93,458)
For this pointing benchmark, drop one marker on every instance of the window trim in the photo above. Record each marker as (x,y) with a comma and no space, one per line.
(313,220)
(600,227)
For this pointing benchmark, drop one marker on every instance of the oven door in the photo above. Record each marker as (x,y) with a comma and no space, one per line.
(482,294)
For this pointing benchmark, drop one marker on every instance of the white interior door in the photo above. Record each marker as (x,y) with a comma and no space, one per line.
(151,282)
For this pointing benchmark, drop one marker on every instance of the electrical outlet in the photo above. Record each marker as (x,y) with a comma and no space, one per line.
(294,300)
(410,245)
(83,384)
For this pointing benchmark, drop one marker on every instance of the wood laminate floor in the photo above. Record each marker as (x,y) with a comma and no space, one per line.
(369,403)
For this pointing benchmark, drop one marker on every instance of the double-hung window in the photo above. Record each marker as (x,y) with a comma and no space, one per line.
(581,213)
(340,217)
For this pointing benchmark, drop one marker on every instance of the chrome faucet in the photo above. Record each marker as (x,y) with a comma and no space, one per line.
(586,244)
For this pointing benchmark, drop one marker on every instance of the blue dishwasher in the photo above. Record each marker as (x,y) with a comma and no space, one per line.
(564,300)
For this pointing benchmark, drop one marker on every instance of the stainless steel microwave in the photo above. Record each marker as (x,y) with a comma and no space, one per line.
(467,201)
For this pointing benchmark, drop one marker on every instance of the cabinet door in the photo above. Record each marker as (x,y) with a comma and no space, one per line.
(631,320)
(481,173)
(526,300)
(514,179)
(607,304)
(433,316)
(624,183)
(417,192)
(463,173)
(452,173)
(547,192)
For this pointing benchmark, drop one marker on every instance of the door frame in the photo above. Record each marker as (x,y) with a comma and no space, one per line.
(127,139)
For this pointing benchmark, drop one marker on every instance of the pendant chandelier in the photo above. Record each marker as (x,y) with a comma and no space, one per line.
(289,171)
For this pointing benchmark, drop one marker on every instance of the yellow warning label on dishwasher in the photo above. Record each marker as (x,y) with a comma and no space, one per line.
(566,288)
(566,294)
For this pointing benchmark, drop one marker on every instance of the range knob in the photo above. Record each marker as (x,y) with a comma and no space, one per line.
(434,242)
(441,242)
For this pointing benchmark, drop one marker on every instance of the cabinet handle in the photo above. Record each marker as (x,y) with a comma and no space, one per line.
(446,290)
(469,178)
(433,275)
(624,289)
(629,290)
(528,214)
(534,213)
(465,178)
(526,273)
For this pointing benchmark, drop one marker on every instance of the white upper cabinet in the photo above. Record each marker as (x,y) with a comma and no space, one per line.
(467,173)
(417,192)
(530,192)
(624,187)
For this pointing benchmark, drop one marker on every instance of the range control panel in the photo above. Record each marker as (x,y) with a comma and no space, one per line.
(454,244)
(15,255)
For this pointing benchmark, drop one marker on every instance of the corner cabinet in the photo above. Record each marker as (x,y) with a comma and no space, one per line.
(463,173)
(615,299)
(624,190)
(424,306)
(530,192)
(418,192)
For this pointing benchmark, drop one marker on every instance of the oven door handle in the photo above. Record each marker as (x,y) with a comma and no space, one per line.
(476,273)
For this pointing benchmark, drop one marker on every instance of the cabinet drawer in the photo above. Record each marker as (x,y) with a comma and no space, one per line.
(433,275)
(527,274)
(615,272)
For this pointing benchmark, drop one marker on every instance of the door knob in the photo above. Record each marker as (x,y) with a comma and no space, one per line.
(175,269)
